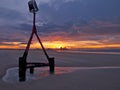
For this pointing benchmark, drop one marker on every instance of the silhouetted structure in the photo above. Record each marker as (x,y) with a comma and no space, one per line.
(23,64)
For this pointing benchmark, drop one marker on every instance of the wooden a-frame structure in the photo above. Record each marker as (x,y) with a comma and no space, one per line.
(23,64)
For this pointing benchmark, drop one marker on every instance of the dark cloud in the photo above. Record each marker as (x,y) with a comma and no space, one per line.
(76,11)
(77,20)
(23,27)
(10,14)
(61,17)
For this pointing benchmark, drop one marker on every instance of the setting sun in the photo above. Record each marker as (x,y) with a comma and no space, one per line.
(52,45)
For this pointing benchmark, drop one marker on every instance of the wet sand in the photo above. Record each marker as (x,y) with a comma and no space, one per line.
(87,77)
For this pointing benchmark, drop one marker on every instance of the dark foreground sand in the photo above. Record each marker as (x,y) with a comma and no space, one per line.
(106,78)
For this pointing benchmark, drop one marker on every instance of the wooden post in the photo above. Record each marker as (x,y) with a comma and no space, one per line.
(51,64)
(31,70)
(22,69)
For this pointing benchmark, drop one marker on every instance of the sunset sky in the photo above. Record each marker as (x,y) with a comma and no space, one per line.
(69,24)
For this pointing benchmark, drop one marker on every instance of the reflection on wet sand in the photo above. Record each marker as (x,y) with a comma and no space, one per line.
(11,75)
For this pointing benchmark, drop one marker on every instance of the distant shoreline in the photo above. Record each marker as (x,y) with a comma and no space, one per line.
(87,51)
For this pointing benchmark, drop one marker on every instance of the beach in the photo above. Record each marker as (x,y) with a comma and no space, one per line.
(84,71)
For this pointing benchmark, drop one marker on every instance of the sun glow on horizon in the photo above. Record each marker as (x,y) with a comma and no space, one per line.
(54,45)
(60,45)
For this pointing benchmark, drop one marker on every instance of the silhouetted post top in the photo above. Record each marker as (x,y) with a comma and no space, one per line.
(32,6)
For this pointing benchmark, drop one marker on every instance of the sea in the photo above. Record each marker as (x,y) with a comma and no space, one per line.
(94,51)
